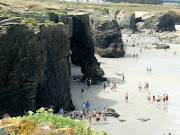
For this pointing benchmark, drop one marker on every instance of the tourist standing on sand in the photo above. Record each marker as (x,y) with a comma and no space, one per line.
(104,87)
(126,98)
(115,87)
(94,114)
(61,111)
(83,113)
(150,68)
(111,86)
(90,116)
(105,108)
(149,97)
(98,118)
(87,106)
(167,98)
(102,117)
(77,113)
(136,55)
(147,86)
(158,99)
(108,81)
(147,69)
(153,99)
(139,86)
(123,76)
(164,99)
(84,105)
(82,92)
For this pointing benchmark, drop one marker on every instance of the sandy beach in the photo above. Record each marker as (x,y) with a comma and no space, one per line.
(164,78)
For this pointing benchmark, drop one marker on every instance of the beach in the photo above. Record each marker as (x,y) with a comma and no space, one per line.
(164,78)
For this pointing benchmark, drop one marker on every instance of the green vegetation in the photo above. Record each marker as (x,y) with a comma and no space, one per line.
(49,22)
(61,23)
(31,21)
(46,116)
(102,10)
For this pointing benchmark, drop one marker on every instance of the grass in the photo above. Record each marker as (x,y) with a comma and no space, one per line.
(31,21)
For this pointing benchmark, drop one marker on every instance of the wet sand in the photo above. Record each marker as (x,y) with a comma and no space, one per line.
(164,78)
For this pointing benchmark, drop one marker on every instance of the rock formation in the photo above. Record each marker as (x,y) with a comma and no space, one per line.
(106,36)
(34,69)
(156,21)
(125,19)
(82,47)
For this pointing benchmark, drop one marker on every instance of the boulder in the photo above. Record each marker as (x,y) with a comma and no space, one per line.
(162,46)
(143,119)
(106,36)
(112,112)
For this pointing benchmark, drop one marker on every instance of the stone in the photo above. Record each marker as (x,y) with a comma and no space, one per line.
(107,36)
(162,46)
(82,47)
(143,119)
(122,120)
(34,69)
(112,112)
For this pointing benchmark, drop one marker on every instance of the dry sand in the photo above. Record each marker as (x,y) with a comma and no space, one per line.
(164,78)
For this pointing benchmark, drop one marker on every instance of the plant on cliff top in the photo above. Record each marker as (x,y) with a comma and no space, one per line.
(45,116)
(31,21)
(61,23)
(49,22)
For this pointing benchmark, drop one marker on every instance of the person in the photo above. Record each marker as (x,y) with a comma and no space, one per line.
(126,98)
(153,99)
(102,117)
(147,86)
(167,98)
(83,105)
(150,68)
(104,87)
(94,114)
(90,82)
(111,86)
(105,107)
(83,113)
(149,97)
(147,69)
(141,50)
(97,118)
(158,99)
(108,81)
(115,87)
(77,113)
(82,92)
(164,99)
(174,52)
(123,76)
(136,55)
(87,106)
(90,116)
(140,86)
(61,111)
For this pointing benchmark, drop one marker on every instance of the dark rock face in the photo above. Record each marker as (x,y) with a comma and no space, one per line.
(34,69)
(82,47)
(157,21)
(107,36)
(162,46)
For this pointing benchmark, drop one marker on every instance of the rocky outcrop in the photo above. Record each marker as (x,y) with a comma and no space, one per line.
(158,21)
(106,36)
(162,46)
(82,47)
(125,19)
(34,69)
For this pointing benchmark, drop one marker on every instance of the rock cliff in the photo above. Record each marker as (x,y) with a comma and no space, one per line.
(106,36)
(157,21)
(82,47)
(34,69)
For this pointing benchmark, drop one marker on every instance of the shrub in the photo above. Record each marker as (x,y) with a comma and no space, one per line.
(61,23)
(31,21)
(50,22)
